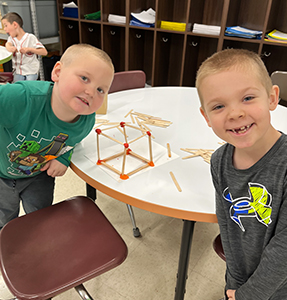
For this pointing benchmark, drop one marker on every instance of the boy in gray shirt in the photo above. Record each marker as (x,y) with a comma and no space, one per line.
(249,173)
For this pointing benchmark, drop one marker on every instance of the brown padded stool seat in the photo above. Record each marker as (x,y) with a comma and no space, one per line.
(47,252)
(217,246)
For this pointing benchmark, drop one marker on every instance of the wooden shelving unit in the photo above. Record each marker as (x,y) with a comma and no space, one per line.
(173,57)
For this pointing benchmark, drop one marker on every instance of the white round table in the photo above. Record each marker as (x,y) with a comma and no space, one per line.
(154,189)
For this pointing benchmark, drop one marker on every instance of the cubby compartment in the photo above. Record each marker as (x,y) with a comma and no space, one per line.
(140,51)
(69,33)
(250,14)
(60,6)
(172,11)
(114,45)
(91,34)
(172,55)
(277,19)
(208,12)
(89,7)
(168,59)
(274,58)
(137,6)
(117,7)
(197,50)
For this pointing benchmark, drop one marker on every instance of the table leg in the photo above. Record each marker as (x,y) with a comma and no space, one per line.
(91,192)
(186,239)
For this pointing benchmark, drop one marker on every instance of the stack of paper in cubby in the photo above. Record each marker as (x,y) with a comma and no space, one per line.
(238,31)
(117,19)
(206,29)
(146,18)
(276,36)
(176,26)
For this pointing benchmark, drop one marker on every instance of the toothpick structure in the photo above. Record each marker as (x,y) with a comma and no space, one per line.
(126,151)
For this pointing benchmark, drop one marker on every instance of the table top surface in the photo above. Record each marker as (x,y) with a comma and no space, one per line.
(5,55)
(154,190)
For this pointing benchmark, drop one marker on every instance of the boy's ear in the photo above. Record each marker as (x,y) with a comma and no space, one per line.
(56,71)
(205,116)
(274,97)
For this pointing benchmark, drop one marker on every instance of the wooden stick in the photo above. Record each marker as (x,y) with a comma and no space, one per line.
(110,127)
(132,118)
(138,156)
(111,168)
(109,137)
(98,147)
(138,169)
(150,147)
(175,182)
(128,113)
(124,161)
(139,137)
(168,150)
(125,135)
(113,156)
(134,127)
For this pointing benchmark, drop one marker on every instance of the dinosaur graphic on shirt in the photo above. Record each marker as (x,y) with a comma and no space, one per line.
(257,205)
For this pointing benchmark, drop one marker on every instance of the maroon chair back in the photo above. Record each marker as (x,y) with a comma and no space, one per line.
(6,77)
(217,246)
(128,80)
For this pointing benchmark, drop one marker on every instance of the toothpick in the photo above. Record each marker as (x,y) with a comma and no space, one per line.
(128,113)
(168,150)
(109,137)
(175,181)
(137,170)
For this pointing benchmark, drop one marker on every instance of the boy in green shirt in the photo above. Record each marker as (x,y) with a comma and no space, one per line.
(41,122)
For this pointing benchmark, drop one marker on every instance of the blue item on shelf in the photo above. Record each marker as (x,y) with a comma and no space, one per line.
(70,12)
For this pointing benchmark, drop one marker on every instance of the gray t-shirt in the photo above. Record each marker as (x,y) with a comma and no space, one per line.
(251,207)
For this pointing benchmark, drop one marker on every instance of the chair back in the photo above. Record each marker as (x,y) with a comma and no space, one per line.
(128,80)
(6,77)
(280,78)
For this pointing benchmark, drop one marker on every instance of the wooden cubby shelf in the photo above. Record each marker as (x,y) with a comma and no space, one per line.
(173,57)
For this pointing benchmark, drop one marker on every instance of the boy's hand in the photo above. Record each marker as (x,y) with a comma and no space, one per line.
(231,294)
(54,168)
(26,50)
(11,49)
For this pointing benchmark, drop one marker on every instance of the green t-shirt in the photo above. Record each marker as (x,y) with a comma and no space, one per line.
(30,133)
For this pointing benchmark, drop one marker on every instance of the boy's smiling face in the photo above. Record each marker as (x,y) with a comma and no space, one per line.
(237,107)
(80,86)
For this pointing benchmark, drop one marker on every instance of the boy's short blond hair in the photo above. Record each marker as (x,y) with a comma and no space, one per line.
(13,17)
(238,59)
(79,50)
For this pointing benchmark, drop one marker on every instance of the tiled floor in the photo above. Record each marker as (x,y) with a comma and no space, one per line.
(149,272)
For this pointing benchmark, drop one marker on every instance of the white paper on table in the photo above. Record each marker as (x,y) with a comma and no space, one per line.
(140,147)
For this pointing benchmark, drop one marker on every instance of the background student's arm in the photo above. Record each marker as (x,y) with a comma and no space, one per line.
(38,51)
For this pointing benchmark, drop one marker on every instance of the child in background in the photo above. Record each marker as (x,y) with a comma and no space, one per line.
(41,122)
(25,48)
(249,173)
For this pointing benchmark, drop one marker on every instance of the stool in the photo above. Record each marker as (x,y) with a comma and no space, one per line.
(217,246)
(49,251)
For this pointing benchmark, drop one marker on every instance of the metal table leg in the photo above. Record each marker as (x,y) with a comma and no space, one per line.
(186,239)
(91,192)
